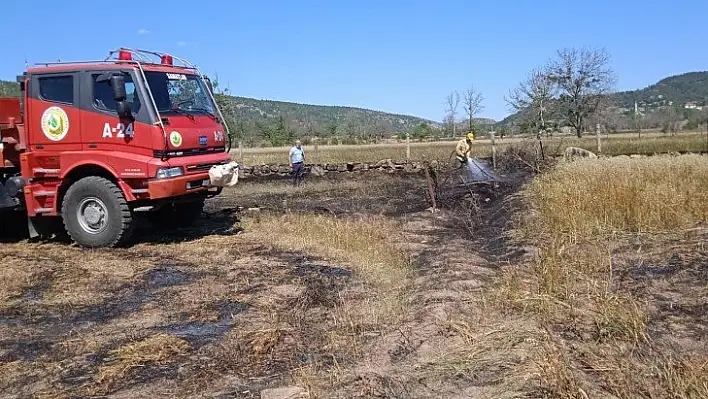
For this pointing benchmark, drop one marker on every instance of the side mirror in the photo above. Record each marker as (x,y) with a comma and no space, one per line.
(124,110)
(120,95)
(118,84)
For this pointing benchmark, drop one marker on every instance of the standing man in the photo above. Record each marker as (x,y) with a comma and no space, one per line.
(297,161)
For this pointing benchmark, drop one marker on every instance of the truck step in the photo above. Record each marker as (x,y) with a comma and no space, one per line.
(45,171)
(44,194)
(43,210)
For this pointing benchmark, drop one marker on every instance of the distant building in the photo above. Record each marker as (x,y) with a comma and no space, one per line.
(637,109)
(693,105)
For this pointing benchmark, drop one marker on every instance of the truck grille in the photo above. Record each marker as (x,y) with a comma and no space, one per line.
(202,166)
(188,152)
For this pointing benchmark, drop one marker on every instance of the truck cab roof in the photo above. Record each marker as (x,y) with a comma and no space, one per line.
(120,59)
(64,67)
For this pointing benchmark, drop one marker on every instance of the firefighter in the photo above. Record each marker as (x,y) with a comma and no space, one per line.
(464,148)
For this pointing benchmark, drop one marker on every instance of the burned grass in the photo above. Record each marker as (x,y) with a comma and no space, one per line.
(355,288)
(172,315)
(390,195)
(181,311)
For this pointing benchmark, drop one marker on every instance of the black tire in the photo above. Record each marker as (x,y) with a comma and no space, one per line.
(176,215)
(115,220)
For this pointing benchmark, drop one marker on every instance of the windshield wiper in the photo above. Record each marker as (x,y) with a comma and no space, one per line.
(182,112)
(205,111)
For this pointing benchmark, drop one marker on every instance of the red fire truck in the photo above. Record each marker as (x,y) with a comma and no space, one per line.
(92,143)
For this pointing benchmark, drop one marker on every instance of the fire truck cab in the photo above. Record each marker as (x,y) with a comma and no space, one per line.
(92,143)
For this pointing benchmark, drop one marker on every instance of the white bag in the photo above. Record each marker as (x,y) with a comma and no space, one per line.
(224,175)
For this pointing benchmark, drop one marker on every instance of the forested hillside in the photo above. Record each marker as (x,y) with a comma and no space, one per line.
(9,89)
(678,89)
(278,121)
(674,103)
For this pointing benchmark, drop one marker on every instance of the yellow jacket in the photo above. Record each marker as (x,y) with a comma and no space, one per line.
(463,149)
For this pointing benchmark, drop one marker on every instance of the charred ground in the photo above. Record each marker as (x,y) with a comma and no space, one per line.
(346,287)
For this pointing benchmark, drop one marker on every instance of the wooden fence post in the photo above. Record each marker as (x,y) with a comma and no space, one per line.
(597,136)
(494,151)
(408,146)
(431,178)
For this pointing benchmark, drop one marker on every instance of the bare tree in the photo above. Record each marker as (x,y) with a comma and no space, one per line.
(473,104)
(670,120)
(534,94)
(584,80)
(452,101)
(605,114)
(703,117)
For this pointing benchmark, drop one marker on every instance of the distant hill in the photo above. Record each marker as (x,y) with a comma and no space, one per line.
(327,121)
(678,89)
(686,92)
(320,119)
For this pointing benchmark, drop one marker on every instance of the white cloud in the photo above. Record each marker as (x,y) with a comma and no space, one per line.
(143,31)
(181,43)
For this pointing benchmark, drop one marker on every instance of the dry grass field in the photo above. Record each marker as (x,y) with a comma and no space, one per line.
(587,280)
(615,144)
(619,280)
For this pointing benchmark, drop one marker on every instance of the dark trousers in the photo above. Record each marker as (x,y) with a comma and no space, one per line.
(298,171)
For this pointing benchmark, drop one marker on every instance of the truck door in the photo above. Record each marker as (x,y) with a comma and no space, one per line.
(54,122)
(103,129)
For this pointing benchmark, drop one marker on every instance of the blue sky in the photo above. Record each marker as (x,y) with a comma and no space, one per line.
(395,56)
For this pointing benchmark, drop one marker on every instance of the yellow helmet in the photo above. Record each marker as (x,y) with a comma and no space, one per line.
(470,136)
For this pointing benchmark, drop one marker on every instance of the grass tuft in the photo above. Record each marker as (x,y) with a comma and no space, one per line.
(684,379)
(366,245)
(157,349)
(620,316)
(557,376)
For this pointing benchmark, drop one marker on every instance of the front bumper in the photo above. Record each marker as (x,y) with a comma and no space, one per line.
(176,186)
(195,179)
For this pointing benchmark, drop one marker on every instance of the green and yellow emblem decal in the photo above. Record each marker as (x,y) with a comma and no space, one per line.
(55,123)
(176,139)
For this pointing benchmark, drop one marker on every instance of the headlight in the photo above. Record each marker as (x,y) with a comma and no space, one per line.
(164,173)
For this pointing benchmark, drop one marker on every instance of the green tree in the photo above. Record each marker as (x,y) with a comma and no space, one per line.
(331,130)
(421,131)
(9,89)
(276,134)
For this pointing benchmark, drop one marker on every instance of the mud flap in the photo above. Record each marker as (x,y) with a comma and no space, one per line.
(30,227)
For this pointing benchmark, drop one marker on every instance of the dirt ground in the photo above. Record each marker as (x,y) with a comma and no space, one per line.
(241,303)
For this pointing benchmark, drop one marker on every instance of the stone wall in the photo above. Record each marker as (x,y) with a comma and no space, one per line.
(386,165)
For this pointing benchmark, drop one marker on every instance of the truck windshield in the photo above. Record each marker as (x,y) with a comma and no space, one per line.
(179,93)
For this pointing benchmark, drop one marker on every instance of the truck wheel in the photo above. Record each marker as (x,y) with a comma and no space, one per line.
(96,214)
(177,215)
